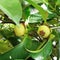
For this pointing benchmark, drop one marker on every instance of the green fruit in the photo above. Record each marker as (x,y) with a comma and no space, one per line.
(19,30)
(44,31)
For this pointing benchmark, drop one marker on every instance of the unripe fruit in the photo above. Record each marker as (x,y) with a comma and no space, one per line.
(44,31)
(19,30)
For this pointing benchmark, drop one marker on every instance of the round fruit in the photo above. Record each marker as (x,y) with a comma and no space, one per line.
(19,30)
(43,31)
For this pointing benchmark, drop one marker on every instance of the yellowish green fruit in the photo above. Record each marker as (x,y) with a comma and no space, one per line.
(19,30)
(44,31)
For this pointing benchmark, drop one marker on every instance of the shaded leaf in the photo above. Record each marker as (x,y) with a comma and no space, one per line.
(18,59)
(5,46)
(19,52)
(26,13)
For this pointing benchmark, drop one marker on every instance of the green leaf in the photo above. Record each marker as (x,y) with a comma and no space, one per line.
(26,13)
(58,2)
(44,52)
(12,9)
(5,46)
(35,18)
(43,13)
(19,52)
(38,1)
(18,59)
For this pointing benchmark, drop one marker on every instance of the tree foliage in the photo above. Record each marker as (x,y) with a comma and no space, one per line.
(31,14)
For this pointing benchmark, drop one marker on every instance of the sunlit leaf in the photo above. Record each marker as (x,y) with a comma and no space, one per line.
(12,9)
(35,18)
(43,13)
(58,2)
